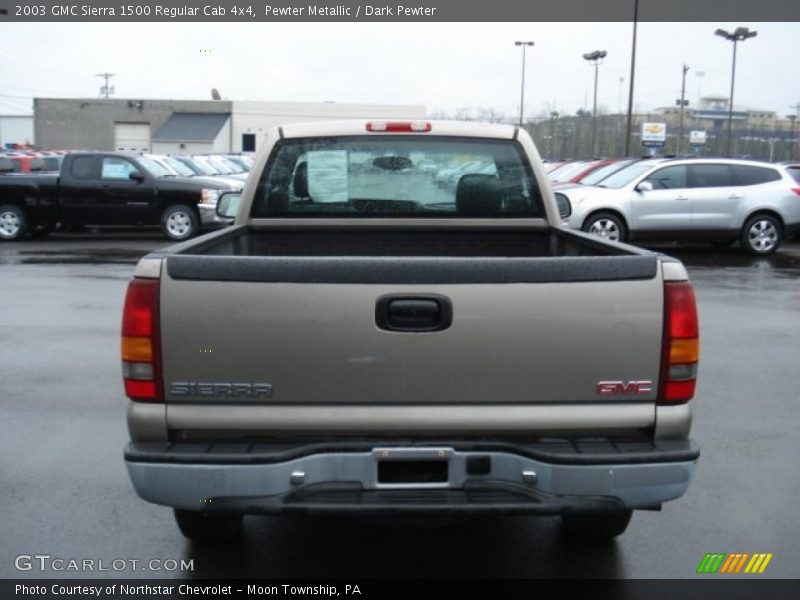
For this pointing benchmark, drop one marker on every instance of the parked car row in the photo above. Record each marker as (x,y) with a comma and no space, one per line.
(719,201)
(110,188)
(231,170)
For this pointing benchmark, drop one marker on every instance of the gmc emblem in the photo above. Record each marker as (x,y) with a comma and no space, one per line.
(624,388)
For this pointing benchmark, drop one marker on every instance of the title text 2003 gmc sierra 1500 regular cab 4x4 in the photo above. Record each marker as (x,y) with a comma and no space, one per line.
(380,345)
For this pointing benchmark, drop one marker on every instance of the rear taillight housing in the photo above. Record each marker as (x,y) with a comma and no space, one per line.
(681,346)
(141,351)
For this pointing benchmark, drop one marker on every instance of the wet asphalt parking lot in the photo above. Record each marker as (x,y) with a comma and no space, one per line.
(65,492)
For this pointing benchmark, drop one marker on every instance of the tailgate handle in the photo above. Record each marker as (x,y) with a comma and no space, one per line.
(413,313)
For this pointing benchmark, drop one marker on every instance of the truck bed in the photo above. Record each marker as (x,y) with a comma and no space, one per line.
(356,255)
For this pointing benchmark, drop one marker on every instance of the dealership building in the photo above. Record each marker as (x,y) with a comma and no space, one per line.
(184,126)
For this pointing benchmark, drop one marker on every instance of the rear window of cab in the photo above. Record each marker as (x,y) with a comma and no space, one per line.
(397,176)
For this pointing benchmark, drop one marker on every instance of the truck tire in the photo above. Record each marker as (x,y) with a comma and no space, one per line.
(208,527)
(179,222)
(13,223)
(606,225)
(761,235)
(597,525)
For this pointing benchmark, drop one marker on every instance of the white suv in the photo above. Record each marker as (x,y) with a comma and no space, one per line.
(708,200)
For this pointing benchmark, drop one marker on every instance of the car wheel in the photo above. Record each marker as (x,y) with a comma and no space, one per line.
(606,225)
(13,222)
(179,222)
(208,527)
(597,525)
(761,235)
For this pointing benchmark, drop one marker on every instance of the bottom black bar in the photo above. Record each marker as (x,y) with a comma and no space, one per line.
(366,589)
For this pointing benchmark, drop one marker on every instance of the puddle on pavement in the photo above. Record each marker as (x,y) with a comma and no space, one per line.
(93,256)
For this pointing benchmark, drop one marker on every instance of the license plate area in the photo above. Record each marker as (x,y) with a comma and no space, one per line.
(412,467)
(412,471)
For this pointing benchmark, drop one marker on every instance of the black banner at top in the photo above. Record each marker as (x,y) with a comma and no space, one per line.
(398,10)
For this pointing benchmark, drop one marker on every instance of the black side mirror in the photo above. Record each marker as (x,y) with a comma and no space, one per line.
(136,176)
(228,204)
(564,206)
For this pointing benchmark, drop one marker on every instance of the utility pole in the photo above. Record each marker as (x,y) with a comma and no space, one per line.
(106,90)
(630,89)
(682,103)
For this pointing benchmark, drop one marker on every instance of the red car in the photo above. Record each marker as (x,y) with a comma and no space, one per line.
(574,172)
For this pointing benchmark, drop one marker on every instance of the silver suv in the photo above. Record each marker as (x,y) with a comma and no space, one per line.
(707,200)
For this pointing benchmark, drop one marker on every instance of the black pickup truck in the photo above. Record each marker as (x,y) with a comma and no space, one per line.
(99,188)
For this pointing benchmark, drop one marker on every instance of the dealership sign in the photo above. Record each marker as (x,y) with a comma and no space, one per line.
(654,135)
(697,138)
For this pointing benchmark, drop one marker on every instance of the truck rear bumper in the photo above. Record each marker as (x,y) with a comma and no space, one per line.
(542,478)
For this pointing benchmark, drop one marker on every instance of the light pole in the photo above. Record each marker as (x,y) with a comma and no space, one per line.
(739,35)
(792,120)
(682,103)
(522,88)
(595,58)
(553,117)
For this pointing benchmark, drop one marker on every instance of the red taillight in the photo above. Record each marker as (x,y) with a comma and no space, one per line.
(398,126)
(796,191)
(681,349)
(141,354)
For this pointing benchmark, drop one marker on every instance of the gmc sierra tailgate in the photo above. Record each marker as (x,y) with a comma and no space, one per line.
(400,331)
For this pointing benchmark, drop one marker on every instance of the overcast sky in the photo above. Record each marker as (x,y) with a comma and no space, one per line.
(444,66)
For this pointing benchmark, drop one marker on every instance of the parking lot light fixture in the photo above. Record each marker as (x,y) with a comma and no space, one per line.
(740,34)
(595,58)
(524,45)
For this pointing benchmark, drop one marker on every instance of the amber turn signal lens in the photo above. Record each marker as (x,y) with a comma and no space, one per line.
(684,351)
(137,349)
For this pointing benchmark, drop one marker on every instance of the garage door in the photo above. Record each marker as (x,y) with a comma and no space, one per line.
(133,137)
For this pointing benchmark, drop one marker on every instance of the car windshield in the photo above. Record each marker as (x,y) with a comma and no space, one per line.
(240,161)
(598,175)
(624,176)
(152,167)
(559,168)
(219,165)
(179,167)
(567,172)
(204,167)
(232,164)
(380,176)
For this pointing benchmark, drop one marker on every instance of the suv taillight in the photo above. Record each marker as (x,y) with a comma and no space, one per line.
(141,360)
(681,348)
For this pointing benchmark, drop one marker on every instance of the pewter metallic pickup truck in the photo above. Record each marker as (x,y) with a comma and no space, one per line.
(363,341)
